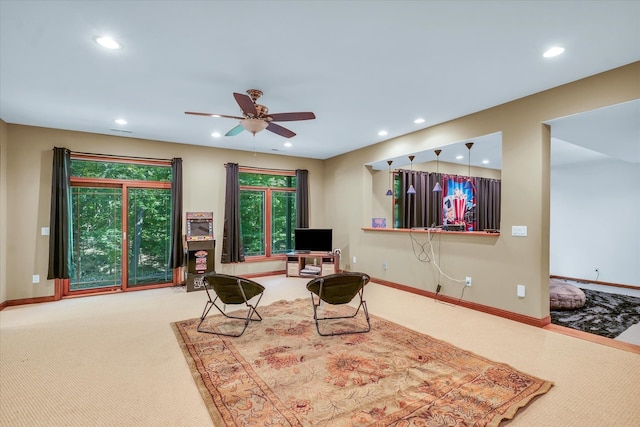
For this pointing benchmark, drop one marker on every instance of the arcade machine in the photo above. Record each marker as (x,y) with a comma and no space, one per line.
(200,248)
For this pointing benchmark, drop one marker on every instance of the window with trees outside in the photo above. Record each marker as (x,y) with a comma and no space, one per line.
(120,224)
(267,212)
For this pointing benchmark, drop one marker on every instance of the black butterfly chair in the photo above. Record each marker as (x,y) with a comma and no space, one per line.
(231,290)
(340,288)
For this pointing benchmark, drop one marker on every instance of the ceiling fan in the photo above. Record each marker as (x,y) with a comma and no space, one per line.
(256,117)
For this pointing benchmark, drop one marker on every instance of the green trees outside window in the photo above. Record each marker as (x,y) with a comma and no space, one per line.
(121,224)
(267,212)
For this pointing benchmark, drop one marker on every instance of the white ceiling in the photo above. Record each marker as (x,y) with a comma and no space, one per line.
(360,66)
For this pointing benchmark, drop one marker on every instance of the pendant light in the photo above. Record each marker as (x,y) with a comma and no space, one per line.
(468,185)
(411,190)
(437,187)
(389,192)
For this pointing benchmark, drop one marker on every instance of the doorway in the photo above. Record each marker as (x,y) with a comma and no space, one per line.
(120,229)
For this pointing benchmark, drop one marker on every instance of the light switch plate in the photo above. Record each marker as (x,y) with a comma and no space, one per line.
(519,230)
(44,231)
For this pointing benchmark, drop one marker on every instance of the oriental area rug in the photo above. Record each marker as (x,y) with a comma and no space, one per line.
(280,372)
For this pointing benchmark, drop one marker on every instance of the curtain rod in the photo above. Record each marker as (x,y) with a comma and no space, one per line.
(118,157)
(264,169)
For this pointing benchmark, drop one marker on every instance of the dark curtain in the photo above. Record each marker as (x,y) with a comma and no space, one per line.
(488,203)
(59,221)
(177,251)
(302,198)
(423,208)
(232,250)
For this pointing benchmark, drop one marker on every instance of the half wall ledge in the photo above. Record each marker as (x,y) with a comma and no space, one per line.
(431,230)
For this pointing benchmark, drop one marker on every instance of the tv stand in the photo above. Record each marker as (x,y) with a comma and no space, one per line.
(312,264)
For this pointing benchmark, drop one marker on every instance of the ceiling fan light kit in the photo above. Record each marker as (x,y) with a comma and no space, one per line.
(254,125)
(256,117)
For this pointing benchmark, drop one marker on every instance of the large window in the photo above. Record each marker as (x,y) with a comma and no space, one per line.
(267,211)
(121,224)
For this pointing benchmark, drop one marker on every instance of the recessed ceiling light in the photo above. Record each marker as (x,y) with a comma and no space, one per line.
(418,121)
(287,144)
(120,121)
(382,133)
(108,42)
(216,134)
(459,157)
(554,51)
(485,162)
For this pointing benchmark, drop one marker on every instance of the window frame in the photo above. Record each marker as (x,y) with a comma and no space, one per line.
(123,185)
(268,208)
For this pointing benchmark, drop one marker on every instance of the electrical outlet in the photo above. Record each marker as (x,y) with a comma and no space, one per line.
(35,278)
(467,281)
(520,291)
(384,265)
(438,288)
(354,259)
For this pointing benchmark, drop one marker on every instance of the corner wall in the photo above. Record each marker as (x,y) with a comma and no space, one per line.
(594,211)
(3,211)
(26,180)
(496,264)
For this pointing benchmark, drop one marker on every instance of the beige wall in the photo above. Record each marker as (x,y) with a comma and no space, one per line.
(28,177)
(3,210)
(345,195)
(496,264)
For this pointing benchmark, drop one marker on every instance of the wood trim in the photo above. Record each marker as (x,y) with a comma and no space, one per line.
(423,230)
(615,285)
(24,301)
(621,345)
(478,307)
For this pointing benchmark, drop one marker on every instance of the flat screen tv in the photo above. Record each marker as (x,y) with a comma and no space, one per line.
(313,240)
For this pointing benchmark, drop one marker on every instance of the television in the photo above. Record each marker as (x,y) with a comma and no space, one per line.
(313,240)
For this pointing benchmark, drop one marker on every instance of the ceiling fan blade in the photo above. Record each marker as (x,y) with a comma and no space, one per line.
(280,130)
(236,130)
(291,117)
(213,115)
(246,104)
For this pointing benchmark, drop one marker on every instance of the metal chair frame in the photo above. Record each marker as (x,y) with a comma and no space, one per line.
(252,308)
(365,279)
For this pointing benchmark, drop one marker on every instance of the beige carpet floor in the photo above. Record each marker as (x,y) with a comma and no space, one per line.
(114,361)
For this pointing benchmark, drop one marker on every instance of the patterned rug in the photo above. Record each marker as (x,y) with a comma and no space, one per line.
(603,314)
(282,373)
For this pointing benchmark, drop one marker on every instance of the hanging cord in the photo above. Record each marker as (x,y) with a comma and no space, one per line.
(436,264)
(461,295)
(427,255)
(422,256)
